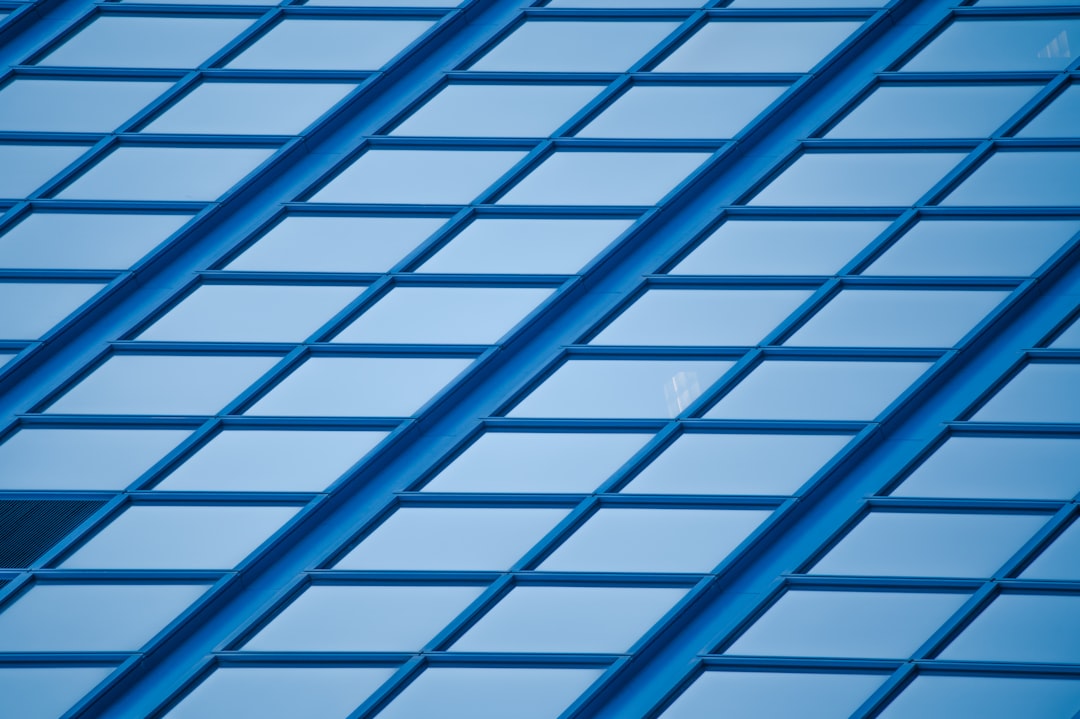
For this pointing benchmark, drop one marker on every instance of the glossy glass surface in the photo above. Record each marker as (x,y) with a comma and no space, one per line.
(674,317)
(833,179)
(80,459)
(1021,178)
(27,167)
(537,462)
(992,697)
(751,46)
(360,386)
(779,247)
(737,464)
(322,44)
(1069,339)
(363,618)
(271,461)
(41,305)
(251,108)
(251,313)
(822,623)
(1058,119)
(444,315)
(621,388)
(179,537)
(1058,561)
(569,619)
(46,692)
(1022,628)
(1013,44)
(421,177)
(825,390)
(489,110)
(618,4)
(452,538)
(200,174)
(1039,393)
(164,384)
(111,617)
(47,105)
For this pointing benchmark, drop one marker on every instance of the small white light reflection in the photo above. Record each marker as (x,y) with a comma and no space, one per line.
(682,389)
(1058,47)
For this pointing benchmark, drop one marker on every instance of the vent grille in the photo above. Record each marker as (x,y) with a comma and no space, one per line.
(29,528)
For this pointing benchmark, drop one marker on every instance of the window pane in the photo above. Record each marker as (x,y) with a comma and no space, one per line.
(271,461)
(896,318)
(1021,178)
(329,44)
(569,619)
(857,179)
(134,41)
(992,697)
(621,388)
(603,178)
(363,618)
(444,315)
(749,46)
(821,623)
(617,4)
(145,384)
(1000,45)
(674,317)
(46,692)
(654,540)
(942,248)
(1058,119)
(930,545)
(77,459)
(449,177)
(461,110)
(110,617)
(574,46)
(525,246)
(1022,628)
(1069,339)
(779,247)
(47,105)
(165,173)
(1058,561)
(336,244)
(360,386)
(822,390)
(1039,393)
(25,168)
(670,112)
(540,462)
(41,305)
(737,464)
(179,537)
(906,111)
(254,108)
(251,313)
(452,538)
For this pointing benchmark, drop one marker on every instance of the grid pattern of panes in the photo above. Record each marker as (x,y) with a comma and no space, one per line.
(589,359)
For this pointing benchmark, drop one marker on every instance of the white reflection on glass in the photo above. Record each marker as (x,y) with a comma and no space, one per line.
(1013,44)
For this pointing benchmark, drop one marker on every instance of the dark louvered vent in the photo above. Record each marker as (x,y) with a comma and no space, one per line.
(30,528)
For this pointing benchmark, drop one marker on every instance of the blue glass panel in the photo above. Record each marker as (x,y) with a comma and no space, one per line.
(857,179)
(991,697)
(75,459)
(24,168)
(41,305)
(140,41)
(751,46)
(621,388)
(46,692)
(525,246)
(251,313)
(1069,339)
(674,317)
(670,112)
(654,540)
(452,538)
(779,247)
(1022,628)
(385,3)
(911,111)
(490,693)
(319,44)
(449,177)
(778,4)
(537,462)
(822,623)
(617,4)
(824,390)
(737,464)
(1058,119)
(360,386)
(1058,561)
(942,248)
(1039,393)
(603,178)
(271,461)
(47,105)
(110,618)
(1021,178)
(179,537)
(1000,45)
(165,173)
(146,384)
(471,110)
(363,618)
(569,619)
(281,692)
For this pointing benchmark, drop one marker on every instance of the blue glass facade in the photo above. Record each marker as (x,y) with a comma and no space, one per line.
(589,358)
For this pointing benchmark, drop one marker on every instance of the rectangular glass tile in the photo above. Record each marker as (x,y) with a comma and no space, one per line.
(1038,393)
(41,306)
(619,4)
(24,167)
(324,44)
(1058,119)
(1069,339)
(51,105)
(993,45)
(46,692)
(1058,561)
(991,697)
(1039,628)
(1042,178)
